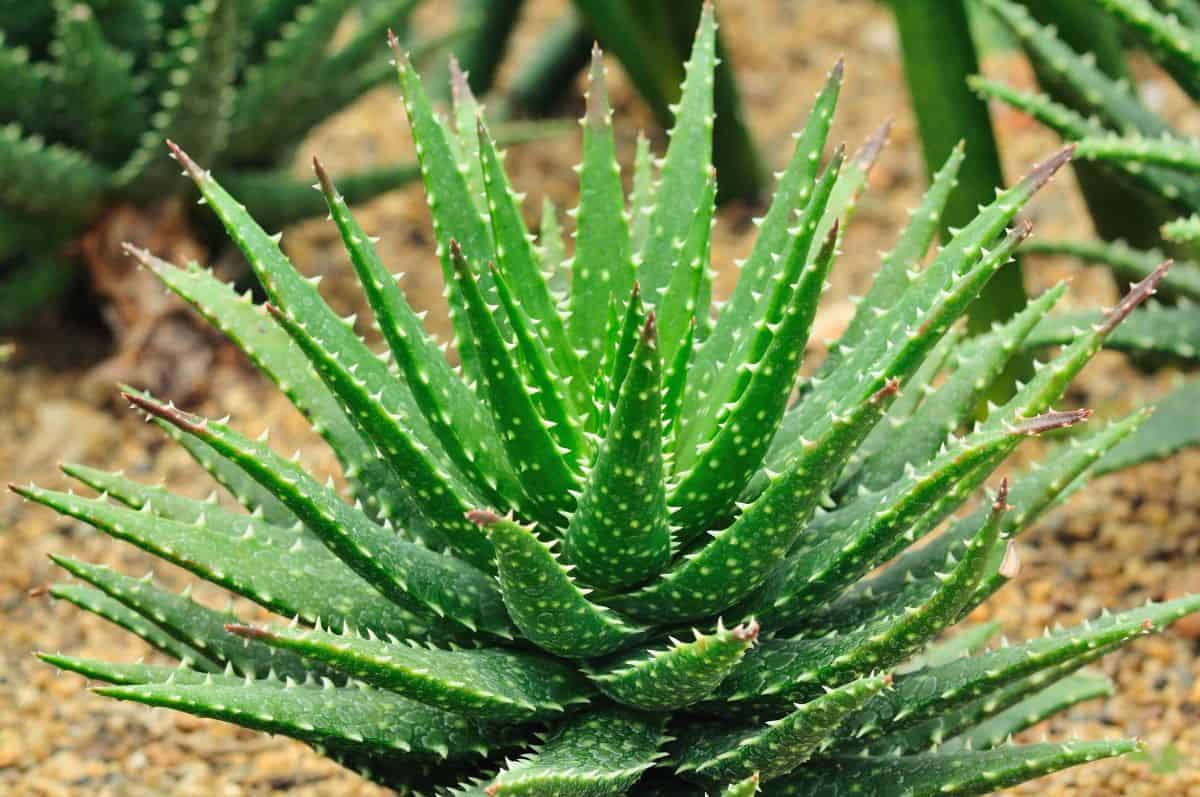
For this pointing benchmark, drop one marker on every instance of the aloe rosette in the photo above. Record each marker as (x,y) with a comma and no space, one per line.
(609,553)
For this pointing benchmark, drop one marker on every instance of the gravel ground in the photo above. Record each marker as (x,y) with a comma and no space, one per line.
(1127,538)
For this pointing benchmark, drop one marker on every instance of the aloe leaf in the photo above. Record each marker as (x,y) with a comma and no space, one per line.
(603,265)
(1050,701)
(1169,429)
(851,182)
(642,194)
(968,641)
(685,168)
(933,774)
(1172,43)
(739,558)
(294,48)
(688,294)
(726,344)
(930,305)
(23,76)
(290,581)
(1112,100)
(552,253)
(450,594)
(1071,125)
(933,691)
(125,674)
(838,558)
(709,486)
(195,100)
(540,462)
(619,534)
(620,353)
(780,746)
(197,626)
(1173,331)
(1125,262)
(601,754)
(453,412)
(451,203)
(439,495)
(287,289)
(544,601)
(160,502)
(747,787)
(465,140)
(353,718)
(249,493)
(518,264)
(549,391)
(665,679)
(976,366)
(1174,153)
(1183,231)
(51,179)
(675,381)
(93,600)
(789,669)
(487,684)
(900,265)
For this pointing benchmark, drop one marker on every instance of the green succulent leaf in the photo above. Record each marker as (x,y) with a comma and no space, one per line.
(487,684)
(684,673)
(545,603)
(601,754)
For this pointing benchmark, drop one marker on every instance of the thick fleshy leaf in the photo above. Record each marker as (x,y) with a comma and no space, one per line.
(664,679)
(619,534)
(602,268)
(488,684)
(601,754)
(545,603)
(780,746)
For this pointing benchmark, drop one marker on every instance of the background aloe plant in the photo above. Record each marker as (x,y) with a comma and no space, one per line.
(1095,104)
(499,607)
(91,89)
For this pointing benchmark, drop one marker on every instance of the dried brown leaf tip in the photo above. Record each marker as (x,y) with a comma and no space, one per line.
(1136,295)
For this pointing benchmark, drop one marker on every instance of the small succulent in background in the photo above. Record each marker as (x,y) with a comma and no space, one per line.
(506,605)
(91,89)
(1114,129)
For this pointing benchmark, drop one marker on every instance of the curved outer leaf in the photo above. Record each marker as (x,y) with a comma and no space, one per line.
(93,600)
(187,621)
(1127,263)
(1169,429)
(446,591)
(934,774)
(1173,331)
(41,178)
(544,602)
(354,718)
(780,746)
(441,499)
(488,684)
(619,535)
(601,754)
(309,584)
(602,268)
(448,404)
(677,676)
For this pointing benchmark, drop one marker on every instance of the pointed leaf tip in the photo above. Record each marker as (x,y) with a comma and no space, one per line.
(746,632)
(170,414)
(650,328)
(483,517)
(185,160)
(889,389)
(1040,174)
(1049,421)
(247,631)
(1001,503)
(1136,295)
(874,145)
(323,176)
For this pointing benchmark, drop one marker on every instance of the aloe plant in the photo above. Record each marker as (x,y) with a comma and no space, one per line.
(606,556)
(91,89)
